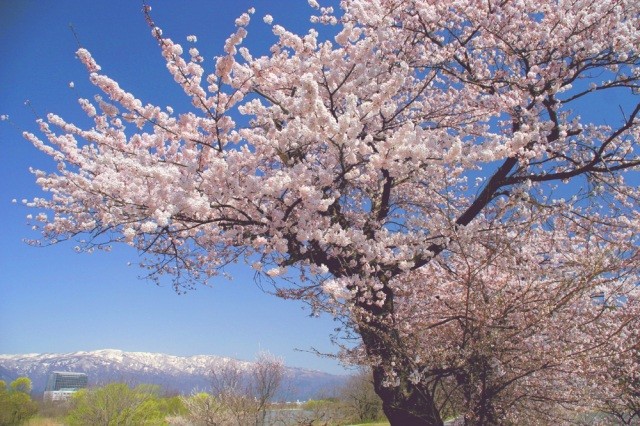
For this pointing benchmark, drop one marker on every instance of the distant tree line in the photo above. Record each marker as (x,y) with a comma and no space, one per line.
(239,396)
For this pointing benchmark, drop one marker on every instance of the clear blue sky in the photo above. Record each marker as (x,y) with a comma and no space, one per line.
(54,300)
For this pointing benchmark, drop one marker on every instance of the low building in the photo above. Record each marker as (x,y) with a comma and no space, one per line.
(62,384)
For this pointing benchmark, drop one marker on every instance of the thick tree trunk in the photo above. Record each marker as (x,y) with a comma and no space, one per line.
(475,383)
(404,403)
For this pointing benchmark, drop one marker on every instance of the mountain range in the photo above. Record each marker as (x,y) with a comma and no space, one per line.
(175,374)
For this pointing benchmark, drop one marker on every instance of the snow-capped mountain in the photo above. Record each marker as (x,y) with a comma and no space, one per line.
(173,373)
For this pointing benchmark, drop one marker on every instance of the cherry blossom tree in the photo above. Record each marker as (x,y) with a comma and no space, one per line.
(433,173)
(512,328)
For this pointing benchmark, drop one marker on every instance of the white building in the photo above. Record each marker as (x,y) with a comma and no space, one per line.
(62,384)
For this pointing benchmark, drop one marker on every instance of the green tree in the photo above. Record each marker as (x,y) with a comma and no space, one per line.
(21,384)
(119,404)
(172,405)
(16,405)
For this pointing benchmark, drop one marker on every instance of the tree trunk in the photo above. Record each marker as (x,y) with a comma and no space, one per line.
(407,406)
(404,403)
(478,393)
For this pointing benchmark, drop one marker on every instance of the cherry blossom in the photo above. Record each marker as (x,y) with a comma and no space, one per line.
(428,172)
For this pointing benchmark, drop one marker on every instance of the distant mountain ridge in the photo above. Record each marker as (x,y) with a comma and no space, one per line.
(182,374)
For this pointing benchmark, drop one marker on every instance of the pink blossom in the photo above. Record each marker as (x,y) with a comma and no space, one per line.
(431,175)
